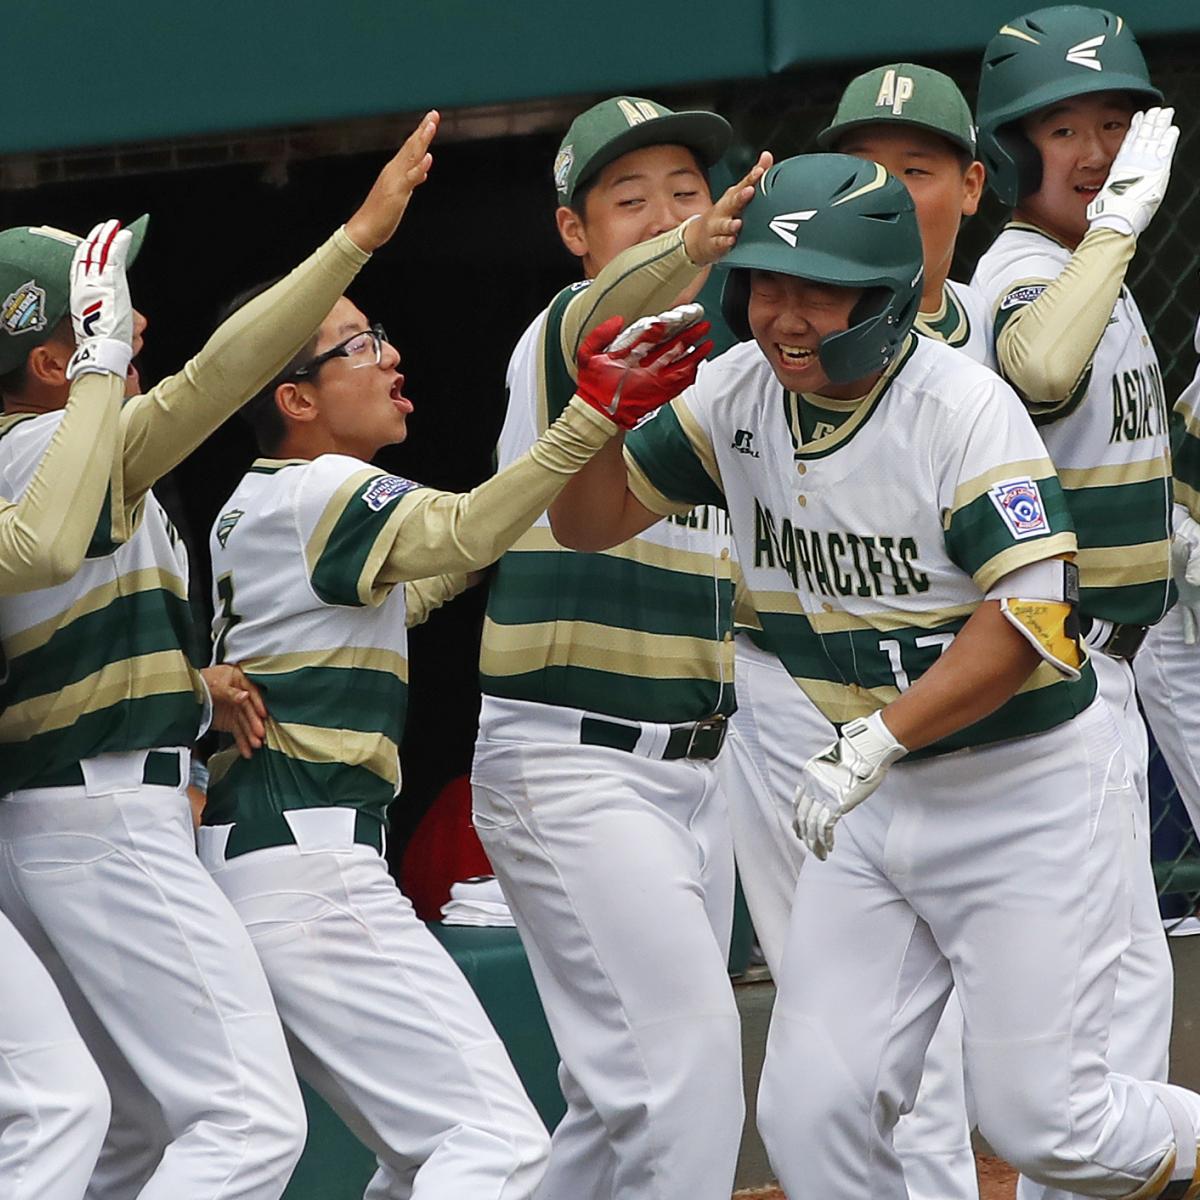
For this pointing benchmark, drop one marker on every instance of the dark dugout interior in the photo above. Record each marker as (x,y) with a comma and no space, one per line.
(476,257)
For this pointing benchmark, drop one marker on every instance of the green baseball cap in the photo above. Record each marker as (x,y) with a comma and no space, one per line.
(35,284)
(623,123)
(903,94)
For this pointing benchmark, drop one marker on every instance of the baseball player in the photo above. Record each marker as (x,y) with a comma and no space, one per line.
(97,862)
(915,122)
(1166,664)
(912,568)
(306,557)
(607,681)
(54,1107)
(1085,173)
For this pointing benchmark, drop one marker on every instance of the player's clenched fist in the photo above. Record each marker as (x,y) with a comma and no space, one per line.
(713,233)
(841,777)
(101,312)
(626,375)
(380,214)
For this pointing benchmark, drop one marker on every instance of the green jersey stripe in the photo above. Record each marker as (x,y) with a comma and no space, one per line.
(532,586)
(560,387)
(146,622)
(1131,604)
(357,698)
(170,719)
(336,572)
(1127,514)
(672,701)
(259,788)
(677,473)
(978,533)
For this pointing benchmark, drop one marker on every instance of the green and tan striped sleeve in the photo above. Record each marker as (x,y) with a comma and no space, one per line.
(66,505)
(671,464)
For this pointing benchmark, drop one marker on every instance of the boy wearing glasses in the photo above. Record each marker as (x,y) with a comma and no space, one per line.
(307,557)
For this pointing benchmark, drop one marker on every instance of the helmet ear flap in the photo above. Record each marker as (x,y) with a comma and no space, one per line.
(735,304)
(1014,167)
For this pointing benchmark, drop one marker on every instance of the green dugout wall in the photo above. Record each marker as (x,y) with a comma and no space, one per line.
(149,70)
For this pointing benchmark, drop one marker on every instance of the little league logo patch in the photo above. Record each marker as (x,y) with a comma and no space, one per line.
(24,311)
(385,489)
(1022,295)
(562,167)
(1019,502)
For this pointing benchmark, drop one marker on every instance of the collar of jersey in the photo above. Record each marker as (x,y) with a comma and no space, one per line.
(949,324)
(1026,227)
(268,466)
(863,408)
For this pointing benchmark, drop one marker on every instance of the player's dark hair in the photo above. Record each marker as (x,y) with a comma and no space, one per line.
(13,383)
(260,412)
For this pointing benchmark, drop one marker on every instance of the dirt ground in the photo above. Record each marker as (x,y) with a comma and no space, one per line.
(997,1181)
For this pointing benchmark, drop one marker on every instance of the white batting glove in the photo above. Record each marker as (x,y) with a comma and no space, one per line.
(841,777)
(101,312)
(1137,180)
(647,332)
(1185,569)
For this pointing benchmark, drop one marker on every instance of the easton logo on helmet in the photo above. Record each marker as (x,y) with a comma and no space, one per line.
(1084,55)
(786,224)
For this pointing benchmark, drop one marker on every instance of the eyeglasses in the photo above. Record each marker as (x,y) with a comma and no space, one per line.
(362,349)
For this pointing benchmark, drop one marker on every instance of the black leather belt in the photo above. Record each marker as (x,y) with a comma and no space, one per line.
(1123,641)
(702,740)
(161,770)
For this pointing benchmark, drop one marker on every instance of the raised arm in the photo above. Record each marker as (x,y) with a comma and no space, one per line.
(44,537)
(161,428)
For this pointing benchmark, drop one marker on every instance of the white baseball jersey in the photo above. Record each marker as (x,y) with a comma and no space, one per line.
(637,631)
(294,553)
(963,321)
(1109,441)
(1185,442)
(867,544)
(97,664)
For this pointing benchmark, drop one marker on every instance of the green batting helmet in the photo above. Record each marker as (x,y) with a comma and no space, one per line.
(834,219)
(1037,60)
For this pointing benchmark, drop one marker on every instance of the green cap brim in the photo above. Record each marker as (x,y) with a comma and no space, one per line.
(705,133)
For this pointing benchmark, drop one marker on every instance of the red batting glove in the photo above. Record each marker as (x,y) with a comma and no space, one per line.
(628,383)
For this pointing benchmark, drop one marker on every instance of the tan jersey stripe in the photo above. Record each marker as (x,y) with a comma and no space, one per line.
(145,580)
(1122,566)
(1115,474)
(319,538)
(971,489)
(646,494)
(346,747)
(366,657)
(157,674)
(1058,545)
(640,550)
(519,649)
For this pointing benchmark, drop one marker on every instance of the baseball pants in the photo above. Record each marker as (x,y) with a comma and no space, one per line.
(107,875)
(776,729)
(53,1103)
(1139,1040)
(1168,682)
(379,1019)
(1002,872)
(618,869)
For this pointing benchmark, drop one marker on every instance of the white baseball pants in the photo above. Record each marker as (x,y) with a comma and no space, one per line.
(619,872)
(1001,871)
(107,874)
(382,1023)
(53,1102)
(1139,1039)
(776,729)
(1168,681)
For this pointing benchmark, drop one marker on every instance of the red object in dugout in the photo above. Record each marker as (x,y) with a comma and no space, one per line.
(444,849)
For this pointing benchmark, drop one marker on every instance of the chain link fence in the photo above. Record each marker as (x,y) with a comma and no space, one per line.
(786,113)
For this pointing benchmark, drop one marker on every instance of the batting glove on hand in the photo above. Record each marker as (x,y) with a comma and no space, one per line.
(101,312)
(1137,179)
(1185,568)
(841,777)
(627,375)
